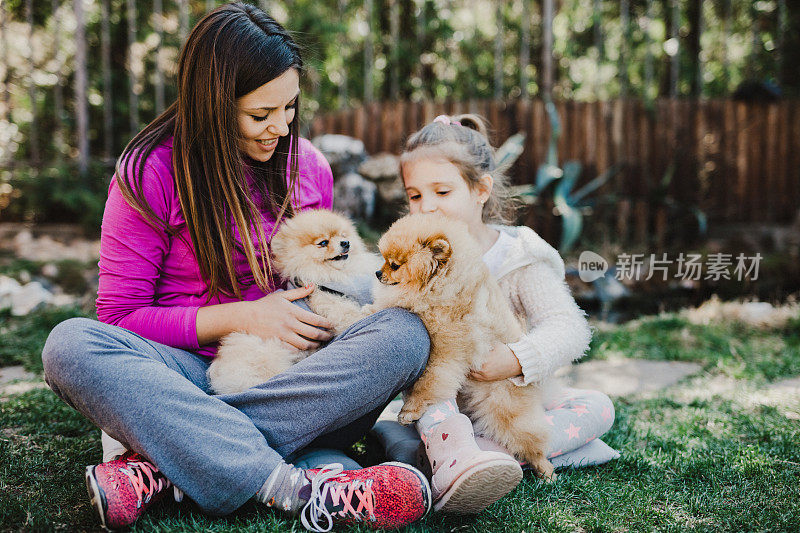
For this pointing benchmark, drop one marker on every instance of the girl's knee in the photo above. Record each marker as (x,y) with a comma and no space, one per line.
(602,405)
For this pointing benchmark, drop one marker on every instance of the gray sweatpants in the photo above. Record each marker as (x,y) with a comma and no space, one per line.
(219,449)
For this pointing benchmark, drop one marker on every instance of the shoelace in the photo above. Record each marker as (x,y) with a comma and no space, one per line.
(145,487)
(321,486)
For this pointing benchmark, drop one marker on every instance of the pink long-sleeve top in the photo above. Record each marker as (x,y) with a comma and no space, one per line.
(150,281)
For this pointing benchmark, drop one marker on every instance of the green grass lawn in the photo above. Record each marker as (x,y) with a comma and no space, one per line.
(717,452)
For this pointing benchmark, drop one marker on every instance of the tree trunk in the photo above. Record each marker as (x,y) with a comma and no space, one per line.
(369,53)
(525,48)
(648,58)
(597,23)
(183,18)
(422,42)
(6,76)
(695,16)
(625,23)
(675,63)
(394,31)
(498,53)
(158,18)
(790,57)
(133,98)
(781,40)
(547,48)
(345,51)
(58,91)
(81,103)
(33,134)
(105,44)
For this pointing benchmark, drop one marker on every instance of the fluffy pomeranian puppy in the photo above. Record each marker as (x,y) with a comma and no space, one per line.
(315,246)
(433,267)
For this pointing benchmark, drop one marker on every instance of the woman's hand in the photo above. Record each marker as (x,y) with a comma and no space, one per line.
(501,363)
(274,315)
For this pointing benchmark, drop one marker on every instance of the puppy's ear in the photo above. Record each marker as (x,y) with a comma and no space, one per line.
(440,248)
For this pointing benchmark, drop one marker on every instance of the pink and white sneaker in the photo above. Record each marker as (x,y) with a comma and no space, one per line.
(122,489)
(384,496)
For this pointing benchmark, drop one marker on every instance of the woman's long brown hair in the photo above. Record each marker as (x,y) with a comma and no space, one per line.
(232,51)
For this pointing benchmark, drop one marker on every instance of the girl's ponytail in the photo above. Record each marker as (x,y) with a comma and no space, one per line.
(473,122)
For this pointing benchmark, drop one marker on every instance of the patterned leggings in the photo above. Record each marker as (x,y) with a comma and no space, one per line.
(576,417)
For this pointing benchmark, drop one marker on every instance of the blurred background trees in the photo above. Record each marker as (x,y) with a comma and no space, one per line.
(364,50)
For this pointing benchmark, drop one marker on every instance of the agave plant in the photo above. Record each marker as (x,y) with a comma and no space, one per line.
(570,205)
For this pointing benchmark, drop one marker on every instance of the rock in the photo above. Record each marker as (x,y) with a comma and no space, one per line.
(14,373)
(757,314)
(30,297)
(16,380)
(355,196)
(392,192)
(625,376)
(50,270)
(65,300)
(45,248)
(8,286)
(342,152)
(381,167)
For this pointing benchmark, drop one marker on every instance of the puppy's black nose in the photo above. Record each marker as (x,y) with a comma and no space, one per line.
(345,245)
(379,275)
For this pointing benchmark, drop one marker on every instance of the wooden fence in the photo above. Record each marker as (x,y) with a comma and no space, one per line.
(735,161)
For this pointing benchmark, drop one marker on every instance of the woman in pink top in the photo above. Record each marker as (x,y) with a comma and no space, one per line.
(185,261)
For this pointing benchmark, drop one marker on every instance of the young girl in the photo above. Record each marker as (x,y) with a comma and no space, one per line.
(185,261)
(448,167)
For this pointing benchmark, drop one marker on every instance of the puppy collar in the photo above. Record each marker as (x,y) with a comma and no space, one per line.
(323,288)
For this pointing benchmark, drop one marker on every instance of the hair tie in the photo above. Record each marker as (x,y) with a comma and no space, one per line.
(444,119)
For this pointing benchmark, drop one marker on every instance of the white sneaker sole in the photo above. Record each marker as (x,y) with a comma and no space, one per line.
(479,487)
(96,496)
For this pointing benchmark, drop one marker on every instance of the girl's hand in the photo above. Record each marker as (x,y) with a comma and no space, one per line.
(275,315)
(501,364)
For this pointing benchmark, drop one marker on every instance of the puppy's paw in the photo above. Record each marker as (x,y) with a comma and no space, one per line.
(544,470)
(411,412)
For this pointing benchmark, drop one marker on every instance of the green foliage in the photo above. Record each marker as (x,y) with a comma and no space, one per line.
(71,276)
(22,338)
(57,194)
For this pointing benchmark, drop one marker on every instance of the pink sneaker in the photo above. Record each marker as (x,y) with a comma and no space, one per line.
(385,496)
(122,489)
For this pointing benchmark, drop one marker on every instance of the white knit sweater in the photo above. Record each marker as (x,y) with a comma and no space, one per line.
(531,274)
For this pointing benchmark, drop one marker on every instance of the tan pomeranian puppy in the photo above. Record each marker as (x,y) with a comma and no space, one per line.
(434,268)
(315,246)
